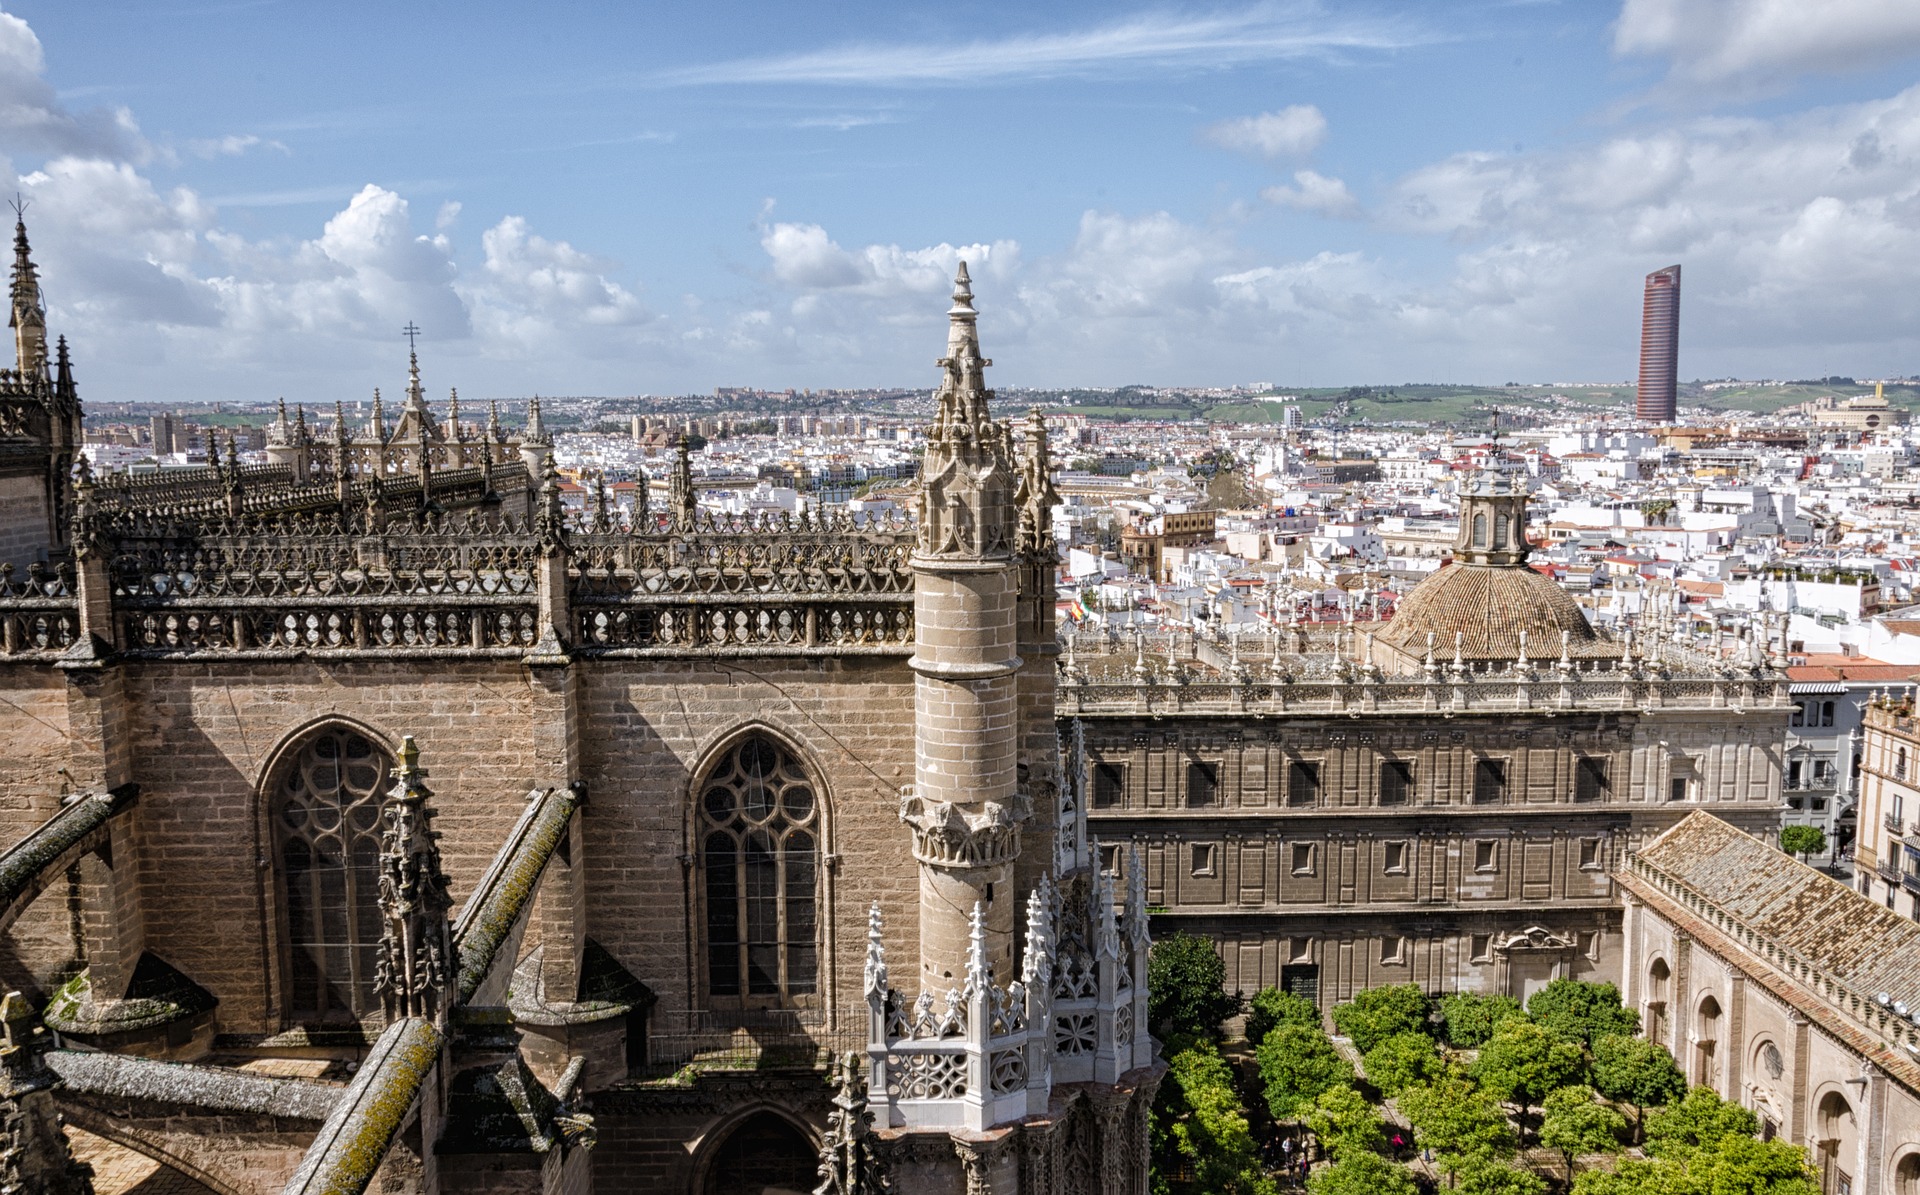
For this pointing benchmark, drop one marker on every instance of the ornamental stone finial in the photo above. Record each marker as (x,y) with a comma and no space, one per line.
(414,971)
(849,1163)
(875,979)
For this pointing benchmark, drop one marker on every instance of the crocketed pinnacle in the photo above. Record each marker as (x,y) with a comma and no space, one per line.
(964,395)
(536,432)
(29,319)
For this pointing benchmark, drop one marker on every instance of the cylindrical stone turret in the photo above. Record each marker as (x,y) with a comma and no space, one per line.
(966,803)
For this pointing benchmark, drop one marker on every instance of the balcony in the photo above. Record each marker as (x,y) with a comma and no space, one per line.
(1888,872)
(1910,881)
(1892,824)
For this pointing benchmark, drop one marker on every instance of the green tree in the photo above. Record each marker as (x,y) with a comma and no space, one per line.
(1186,988)
(1731,1166)
(1345,1123)
(1470,1020)
(1522,1062)
(1638,1072)
(1575,1123)
(1361,1174)
(1582,1011)
(1701,1118)
(1271,1006)
(1457,1120)
(1803,840)
(1403,1059)
(1486,1176)
(1297,1064)
(1376,1014)
(1198,1121)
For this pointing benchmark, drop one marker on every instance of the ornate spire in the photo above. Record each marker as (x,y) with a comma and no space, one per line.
(377,427)
(681,500)
(34,1154)
(494,435)
(453,413)
(1036,496)
(642,501)
(979,974)
(967,483)
(280,431)
(29,320)
(416,942)
(536,432)
(550,516)
(1036,969)
(600,509)
(849,1164)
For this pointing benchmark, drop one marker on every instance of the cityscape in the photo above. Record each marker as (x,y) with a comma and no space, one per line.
(850,777)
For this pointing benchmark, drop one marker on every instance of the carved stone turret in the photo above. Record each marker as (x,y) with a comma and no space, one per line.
(29,318)
(416,942)
(965,804)
(849,1164)
(682,501)
(535,444)
(34,1154)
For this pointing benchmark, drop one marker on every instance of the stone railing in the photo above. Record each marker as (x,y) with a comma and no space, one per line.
(1348,690)
(1859,1008)
(39,610)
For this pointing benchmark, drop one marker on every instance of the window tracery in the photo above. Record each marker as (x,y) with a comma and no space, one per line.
(759,852)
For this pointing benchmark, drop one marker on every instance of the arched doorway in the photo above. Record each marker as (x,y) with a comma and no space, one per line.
(1659,978)
(1706,1039)
(1833,1143)
(764,1154)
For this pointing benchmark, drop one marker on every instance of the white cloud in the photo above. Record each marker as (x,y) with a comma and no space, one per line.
(1715,41)
(1314,192)
(31,116)
(232,146)
(1150,42)
(805,258)
(1292,132)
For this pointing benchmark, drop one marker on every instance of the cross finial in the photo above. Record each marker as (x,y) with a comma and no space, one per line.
(411,332)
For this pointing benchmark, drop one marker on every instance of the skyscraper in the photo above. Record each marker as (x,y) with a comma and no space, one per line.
(1659,345)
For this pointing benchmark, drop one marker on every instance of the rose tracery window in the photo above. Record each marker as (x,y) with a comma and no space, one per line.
(326,819)
(759,849)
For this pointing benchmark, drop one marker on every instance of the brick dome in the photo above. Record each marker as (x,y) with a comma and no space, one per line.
(1490,605)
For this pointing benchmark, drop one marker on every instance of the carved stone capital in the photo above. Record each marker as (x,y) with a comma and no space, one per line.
(948,835)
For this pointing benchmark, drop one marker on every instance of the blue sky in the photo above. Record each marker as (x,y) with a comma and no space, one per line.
(238,200)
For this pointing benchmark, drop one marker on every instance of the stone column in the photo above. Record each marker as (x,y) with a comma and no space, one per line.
(1873,1146)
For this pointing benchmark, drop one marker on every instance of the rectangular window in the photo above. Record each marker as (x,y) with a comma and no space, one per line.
(1799,715)
(1590,779)
(1393,950)
(1796,772)
(1109,785)
(1394,856)
(1481,946)
(1823,771)
(1202,858)
(1396,782)
(1303,858)
(1677,789)
(1299,950)
(1110,859)
(1203,782)
(1589,854)
(1303,783)
(1489,781)
(1486,855)
(1899,807)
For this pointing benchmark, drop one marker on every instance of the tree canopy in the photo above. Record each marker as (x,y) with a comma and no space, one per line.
(1582,1011)
(1198,1119)
(1470,1020)
(1803,840)
(1271,1006)
(1522,1062)
(1186,988)
(1375,1014)
(1486,1176)
(1361,1174)
(1576,1123)
(1297,1064)
(1457,1120)
(1403,1059)
(1636,1071)
(1345,1122)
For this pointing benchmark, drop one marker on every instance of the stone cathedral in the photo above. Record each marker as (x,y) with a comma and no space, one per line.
(373,823)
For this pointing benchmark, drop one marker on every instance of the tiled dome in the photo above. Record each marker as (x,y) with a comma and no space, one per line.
(1490,606)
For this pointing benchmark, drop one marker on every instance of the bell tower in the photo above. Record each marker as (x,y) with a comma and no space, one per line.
(1493,522)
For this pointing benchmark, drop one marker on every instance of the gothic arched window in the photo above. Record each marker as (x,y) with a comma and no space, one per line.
(326,824)
(760,850)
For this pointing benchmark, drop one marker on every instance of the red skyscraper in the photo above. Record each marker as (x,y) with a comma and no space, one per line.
(1660,346)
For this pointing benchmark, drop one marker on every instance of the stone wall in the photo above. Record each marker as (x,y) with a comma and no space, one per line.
(23,519)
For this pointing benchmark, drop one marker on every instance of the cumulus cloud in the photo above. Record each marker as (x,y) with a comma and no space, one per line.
(32,118)
(232,146)
(805,258)
(1717,41)
(1292,132)
(1314,192)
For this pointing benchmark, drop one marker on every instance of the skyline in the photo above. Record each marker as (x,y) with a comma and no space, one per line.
(239,201)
